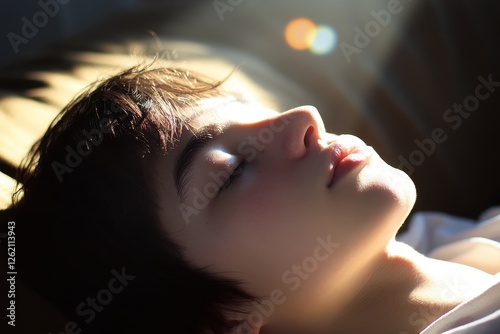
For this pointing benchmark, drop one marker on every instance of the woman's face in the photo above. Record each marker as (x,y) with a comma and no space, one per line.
(273,200)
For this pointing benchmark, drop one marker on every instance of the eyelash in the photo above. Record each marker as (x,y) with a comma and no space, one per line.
(235,175)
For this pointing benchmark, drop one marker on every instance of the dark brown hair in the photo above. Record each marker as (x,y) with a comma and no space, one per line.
(87,209)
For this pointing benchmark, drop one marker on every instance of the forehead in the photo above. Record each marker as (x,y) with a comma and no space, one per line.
(224,112)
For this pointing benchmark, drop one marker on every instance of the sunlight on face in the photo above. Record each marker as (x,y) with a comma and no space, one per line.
(263,191)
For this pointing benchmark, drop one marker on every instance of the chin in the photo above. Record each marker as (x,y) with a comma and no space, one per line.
(404,196)
(405,190)
(389,191)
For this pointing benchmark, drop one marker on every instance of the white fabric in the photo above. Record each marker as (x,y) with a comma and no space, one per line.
(465,241)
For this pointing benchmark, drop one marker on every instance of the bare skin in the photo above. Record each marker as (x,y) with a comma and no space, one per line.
(268,227)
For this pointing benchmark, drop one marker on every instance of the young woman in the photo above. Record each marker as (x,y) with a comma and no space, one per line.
(159,202)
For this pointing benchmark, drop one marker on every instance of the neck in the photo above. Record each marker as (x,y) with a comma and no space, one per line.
(408,291)
(403,292)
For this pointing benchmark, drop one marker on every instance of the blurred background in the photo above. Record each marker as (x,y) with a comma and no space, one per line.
(64,18)
(402,75)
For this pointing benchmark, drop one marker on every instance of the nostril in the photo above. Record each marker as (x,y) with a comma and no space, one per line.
(308,136)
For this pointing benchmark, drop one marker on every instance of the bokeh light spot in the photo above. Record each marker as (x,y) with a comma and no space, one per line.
(299,33)
(325,40)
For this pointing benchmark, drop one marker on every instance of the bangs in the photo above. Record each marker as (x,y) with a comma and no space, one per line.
(144,108)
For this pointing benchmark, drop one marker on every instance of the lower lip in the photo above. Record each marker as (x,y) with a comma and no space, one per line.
(358,157)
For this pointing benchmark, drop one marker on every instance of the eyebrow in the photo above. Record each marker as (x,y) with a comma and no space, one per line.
(184,164)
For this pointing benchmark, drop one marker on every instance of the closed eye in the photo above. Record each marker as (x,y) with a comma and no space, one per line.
(237,172)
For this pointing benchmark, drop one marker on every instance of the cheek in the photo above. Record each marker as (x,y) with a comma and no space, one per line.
(264,219)
(260,206)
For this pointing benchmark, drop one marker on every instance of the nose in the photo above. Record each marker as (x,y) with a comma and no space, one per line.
(304,127)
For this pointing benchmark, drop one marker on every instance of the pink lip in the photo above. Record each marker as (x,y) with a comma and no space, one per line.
(345,156)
